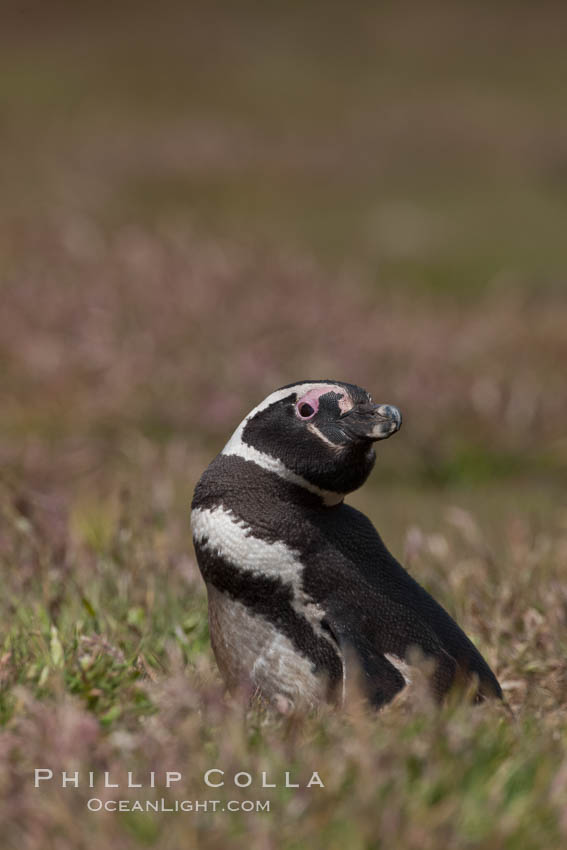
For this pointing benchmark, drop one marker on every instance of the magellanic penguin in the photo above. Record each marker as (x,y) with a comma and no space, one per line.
(303,595)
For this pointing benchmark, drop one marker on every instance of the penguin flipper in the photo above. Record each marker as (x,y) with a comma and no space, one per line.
(377,678)
(381,646)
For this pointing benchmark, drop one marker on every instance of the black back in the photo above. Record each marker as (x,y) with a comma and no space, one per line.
(373,606)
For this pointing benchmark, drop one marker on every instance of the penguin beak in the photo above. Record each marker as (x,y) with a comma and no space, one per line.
(373,421)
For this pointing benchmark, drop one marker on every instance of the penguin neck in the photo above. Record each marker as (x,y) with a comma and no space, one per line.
(287,487)
(264,462)
(313,495)
(233,481)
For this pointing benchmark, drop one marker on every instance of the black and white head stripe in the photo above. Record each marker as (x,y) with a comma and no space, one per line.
(237,445)
(316,434)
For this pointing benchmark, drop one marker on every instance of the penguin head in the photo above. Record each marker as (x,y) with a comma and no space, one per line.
(322,431)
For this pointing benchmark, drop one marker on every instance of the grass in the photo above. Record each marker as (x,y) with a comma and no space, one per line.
(200,207)
(106,666)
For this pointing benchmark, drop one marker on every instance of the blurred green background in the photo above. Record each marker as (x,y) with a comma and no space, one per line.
(204,201)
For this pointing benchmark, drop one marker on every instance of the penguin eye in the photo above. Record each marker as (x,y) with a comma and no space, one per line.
(305,410)
(308,405)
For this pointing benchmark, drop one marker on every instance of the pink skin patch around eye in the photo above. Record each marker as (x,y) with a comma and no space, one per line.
(312,398)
